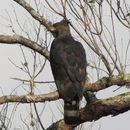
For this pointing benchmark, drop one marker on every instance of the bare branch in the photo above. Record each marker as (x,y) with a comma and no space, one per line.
(111,106)
(17,39)
(34,13)
(38,82)
(29,98)
(94,111)
(106,82)
(100,84)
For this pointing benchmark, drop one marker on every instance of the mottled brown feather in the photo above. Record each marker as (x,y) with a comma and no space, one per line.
(68,63)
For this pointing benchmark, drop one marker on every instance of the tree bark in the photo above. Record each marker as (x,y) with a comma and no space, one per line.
(17,39)
(104,107)
(29,98)
(34,14)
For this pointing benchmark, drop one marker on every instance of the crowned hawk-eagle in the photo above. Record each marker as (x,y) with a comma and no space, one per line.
(68,64)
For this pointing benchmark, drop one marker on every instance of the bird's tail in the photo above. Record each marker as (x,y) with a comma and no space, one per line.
(71,112)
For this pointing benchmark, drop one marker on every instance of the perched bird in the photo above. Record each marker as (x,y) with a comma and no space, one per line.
(68,64)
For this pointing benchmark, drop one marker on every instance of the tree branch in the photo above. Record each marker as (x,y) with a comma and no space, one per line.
(34,14)
(111,106)
(29,98)
(103,83)
(106,82)
(104,107)
(7,39)
(100,84)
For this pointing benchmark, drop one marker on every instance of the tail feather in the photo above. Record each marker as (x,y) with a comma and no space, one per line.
(71,112)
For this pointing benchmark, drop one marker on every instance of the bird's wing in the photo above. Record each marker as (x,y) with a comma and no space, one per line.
(68,63)
(74,62)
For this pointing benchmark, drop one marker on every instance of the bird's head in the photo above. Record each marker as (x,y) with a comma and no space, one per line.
(60,29)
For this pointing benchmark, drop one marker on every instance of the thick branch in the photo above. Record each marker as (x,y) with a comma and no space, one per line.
(111,106)
(106,82)
(25,42)
(29,98)
(34,14)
